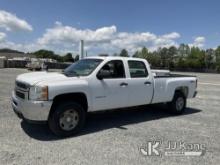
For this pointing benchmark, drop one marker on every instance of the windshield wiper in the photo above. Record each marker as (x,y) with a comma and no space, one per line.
(71,73)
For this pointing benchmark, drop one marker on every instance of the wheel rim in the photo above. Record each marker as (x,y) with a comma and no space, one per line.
(69,120)
(179,103)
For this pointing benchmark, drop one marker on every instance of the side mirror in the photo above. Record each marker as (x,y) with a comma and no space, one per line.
(102,74)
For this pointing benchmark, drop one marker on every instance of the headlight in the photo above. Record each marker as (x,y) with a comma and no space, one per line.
(38,93)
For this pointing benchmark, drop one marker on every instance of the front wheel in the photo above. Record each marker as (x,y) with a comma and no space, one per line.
(67,119)
(178,104)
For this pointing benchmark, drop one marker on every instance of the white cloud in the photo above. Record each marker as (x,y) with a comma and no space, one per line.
(104,39)
(165,40)
(11,22)
(200,39)
(2,36)
(198,42)
(132,40)
(173,35)
(61,33)
(60,38)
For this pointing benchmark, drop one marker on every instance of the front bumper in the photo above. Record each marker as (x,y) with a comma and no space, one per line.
(31,110)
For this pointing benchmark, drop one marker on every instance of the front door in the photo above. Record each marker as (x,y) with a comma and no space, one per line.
(110,92)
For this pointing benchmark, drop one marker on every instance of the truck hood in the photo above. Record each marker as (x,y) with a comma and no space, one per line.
(36,77)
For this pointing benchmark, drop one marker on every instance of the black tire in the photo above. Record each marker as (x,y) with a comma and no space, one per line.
(55,117)
(173,106)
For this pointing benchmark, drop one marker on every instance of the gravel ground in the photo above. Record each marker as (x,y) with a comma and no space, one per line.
(114,137)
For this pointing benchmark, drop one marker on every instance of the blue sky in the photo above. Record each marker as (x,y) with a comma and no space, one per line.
(108,26)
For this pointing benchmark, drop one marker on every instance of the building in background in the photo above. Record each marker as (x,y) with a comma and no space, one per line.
(2,61)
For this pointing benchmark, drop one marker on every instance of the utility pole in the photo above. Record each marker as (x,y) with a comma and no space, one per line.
(81,49)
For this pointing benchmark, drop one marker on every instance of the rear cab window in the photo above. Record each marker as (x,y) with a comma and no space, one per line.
(137,69)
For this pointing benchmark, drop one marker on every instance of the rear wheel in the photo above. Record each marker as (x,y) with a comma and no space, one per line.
(178,104)
(67,119)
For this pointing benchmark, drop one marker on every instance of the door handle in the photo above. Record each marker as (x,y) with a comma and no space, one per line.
(147,82)
(124,84)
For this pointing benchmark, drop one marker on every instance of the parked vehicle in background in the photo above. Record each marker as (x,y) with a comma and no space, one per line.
(34,64)
(94,84)
(37,65)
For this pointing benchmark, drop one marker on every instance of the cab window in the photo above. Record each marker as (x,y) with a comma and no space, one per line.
(114,68)
(137,69)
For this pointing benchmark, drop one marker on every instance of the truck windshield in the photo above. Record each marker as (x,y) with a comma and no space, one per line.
(82,67)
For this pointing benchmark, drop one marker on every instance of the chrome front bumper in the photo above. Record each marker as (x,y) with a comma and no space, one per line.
(31,110)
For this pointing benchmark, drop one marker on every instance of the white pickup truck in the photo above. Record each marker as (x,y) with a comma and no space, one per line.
(93,84)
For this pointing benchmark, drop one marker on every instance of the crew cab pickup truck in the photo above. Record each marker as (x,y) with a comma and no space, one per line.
(93,84)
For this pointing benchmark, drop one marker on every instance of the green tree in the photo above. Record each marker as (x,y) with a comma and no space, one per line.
(164,55)
(196,58)
(136,54)
(183,50)
(217,54)
(144,53)
(124,53)
(154,59)
(181,63)
(209,59)
(44,53)
(76,58)
(47,54)
(172,53)
(68,58)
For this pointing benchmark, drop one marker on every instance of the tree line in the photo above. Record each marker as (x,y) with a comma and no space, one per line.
(68,57)
(183,57)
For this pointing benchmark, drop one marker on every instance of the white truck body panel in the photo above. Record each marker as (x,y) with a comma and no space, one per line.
(165,88)
(157,87)
(160,72)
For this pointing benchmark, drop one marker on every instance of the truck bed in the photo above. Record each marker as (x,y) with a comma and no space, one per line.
(172,75)
(165,86)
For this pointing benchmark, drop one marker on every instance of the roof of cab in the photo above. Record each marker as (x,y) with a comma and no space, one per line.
(114,58)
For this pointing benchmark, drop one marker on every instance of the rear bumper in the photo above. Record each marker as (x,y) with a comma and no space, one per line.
(33,111)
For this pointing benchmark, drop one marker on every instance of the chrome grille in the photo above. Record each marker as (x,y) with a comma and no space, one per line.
(20,94)
(22,85)
(21,90)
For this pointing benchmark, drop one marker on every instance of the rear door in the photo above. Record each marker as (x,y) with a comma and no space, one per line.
(140,84)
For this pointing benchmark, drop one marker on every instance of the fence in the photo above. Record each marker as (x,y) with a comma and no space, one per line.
(21,64)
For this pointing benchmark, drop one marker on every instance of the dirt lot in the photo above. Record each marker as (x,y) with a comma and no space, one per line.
(114,137)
